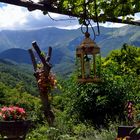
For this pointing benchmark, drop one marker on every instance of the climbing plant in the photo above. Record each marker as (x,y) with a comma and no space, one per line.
(104,9)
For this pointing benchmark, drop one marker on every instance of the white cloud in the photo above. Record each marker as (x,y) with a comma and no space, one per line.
(15,17)
(137,16)
(36,0)
(11,16)
(112,25)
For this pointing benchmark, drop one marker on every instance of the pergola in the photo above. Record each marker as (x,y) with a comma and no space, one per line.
(56,6)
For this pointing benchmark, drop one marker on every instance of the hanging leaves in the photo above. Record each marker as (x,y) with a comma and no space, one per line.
(105,8)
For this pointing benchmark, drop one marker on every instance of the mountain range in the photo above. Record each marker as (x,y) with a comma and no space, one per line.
(15,43)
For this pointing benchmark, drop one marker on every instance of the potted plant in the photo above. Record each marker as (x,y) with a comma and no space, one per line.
(124,130)
(13,123)
(136,130)
(137,120)
(132,130)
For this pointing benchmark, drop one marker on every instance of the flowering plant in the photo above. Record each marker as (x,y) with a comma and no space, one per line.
(46,83)
(12,113)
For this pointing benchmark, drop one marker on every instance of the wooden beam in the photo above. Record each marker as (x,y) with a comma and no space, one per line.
(37,6)
(24,3)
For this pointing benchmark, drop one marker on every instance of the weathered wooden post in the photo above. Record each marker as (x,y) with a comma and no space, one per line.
(41,75)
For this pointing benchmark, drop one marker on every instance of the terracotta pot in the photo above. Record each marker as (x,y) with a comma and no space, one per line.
(14,130)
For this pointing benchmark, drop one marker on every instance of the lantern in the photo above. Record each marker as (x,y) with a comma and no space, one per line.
(88,60)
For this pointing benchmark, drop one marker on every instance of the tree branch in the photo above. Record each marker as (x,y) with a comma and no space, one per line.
(33,59)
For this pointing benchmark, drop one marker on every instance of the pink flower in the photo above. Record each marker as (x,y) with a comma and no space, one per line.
(21,110)
(12,113)
(4,109)
(11,109)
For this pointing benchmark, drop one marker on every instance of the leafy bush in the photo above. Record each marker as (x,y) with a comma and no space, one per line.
(38,134)
(106,101)
(79,132)
(31,104)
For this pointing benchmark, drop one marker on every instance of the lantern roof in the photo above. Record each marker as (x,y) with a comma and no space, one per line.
(88,42)
(88,46)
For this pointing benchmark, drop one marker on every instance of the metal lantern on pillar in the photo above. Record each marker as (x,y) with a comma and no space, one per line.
(88,61)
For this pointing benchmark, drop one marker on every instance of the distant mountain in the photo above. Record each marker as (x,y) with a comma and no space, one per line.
(57,38)
(45,37)
(17,55)
(63,42)
(67,40)
(127,34)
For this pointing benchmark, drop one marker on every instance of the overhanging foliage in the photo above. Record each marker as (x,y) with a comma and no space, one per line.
(106,10)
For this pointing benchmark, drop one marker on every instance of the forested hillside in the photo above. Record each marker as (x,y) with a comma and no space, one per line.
(20,76)
(18,88)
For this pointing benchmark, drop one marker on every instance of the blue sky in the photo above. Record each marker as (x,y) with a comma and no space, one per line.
(15,17)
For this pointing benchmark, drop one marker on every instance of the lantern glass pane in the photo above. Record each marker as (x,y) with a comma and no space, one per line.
(97,65)
(78,67)
(87,66)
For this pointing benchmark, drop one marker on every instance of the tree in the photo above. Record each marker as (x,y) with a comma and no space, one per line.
(45,79)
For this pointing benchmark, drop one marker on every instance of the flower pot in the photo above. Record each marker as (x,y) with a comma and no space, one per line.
(14,130)
(125,131)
